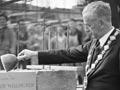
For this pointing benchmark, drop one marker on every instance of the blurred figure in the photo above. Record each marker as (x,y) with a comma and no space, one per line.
(36,40)
(7,37)
(22,36)
(22,41)
(75,39)
(40,39)
(75,35)
(59,40)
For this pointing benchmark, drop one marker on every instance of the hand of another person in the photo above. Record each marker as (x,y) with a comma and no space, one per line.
(26,54)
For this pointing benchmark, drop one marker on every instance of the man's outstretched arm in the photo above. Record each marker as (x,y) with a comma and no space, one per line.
(72,55)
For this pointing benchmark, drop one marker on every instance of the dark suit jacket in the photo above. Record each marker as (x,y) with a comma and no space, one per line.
(106,76)
(114,8)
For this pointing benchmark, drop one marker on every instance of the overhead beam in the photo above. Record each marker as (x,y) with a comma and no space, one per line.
(8,2)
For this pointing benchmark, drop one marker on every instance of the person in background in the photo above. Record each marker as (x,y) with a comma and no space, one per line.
(7,37)
(59,40)
(75,35)
(102,54)
(115,5)
(37,41)
(22,41)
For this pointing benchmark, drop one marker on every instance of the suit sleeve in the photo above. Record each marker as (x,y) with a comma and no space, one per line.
(72,55)
(118,2)
(119,59)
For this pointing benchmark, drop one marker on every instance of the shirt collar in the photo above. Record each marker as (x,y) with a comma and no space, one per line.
(103,39)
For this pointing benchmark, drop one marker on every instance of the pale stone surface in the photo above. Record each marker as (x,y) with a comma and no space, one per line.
(56,80)
(52,67)
(38,80)
(17,80)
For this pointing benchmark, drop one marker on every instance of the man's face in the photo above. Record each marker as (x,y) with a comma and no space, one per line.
(3,21)
(92,25)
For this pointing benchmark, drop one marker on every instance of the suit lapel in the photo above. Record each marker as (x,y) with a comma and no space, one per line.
(89,61)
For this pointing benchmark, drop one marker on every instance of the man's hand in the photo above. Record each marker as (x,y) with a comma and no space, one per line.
(26,54)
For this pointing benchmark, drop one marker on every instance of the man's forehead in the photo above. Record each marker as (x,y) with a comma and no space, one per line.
(89,17)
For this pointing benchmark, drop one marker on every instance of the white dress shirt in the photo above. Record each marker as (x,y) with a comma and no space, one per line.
(103,39)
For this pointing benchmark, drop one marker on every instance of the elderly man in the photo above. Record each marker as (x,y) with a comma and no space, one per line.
(102,53)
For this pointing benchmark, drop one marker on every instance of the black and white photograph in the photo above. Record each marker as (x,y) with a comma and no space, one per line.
(59,44)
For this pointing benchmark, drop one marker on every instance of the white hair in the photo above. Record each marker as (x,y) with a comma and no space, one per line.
(99,9)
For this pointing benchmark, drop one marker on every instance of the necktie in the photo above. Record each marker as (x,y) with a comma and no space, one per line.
(96,51)
(97,44)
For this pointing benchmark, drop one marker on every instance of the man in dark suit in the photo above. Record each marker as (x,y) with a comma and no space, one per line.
(102,53)
(115,5)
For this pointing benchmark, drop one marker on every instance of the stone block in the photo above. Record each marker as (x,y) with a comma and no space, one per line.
(56,80)
(17,80)
(38,80)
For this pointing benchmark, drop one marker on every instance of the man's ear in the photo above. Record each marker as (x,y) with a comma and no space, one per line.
(101,23)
